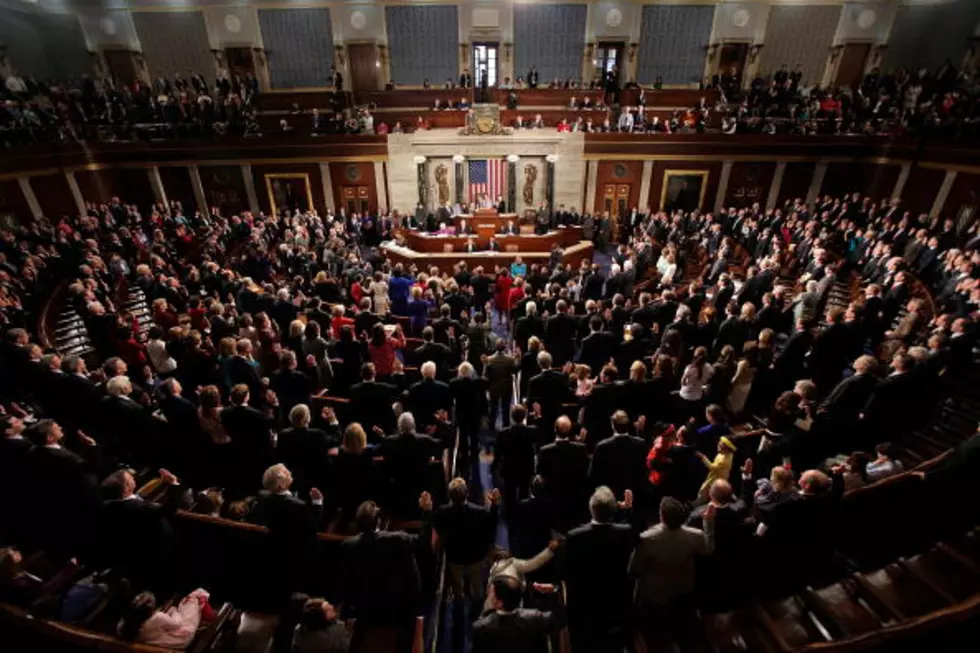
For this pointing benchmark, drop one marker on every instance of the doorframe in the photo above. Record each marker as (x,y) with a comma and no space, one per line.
(305,176)
(498,46)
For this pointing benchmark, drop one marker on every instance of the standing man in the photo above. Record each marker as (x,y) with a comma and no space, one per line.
(532,78)
(466,79)
(500,371)
(337,79)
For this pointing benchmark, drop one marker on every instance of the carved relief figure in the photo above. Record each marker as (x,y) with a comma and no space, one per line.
(530,176)
(442,180)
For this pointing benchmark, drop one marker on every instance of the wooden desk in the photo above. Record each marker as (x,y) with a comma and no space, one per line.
(413,97)
(444,261)
(549,97)
(498,221)
(425,244)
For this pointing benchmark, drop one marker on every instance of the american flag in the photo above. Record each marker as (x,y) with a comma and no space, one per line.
(487,176)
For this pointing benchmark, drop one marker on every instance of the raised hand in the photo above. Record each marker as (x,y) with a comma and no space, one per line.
(315,494)
(168,477)
(493,497)
(425,501)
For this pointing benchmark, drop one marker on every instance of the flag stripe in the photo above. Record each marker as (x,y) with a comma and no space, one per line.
(487,177)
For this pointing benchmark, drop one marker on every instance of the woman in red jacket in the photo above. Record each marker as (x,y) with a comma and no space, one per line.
(502,294)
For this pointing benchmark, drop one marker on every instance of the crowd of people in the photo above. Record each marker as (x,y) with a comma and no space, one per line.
(610,399)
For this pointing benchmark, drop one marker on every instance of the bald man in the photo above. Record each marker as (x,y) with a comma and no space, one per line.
(564,466)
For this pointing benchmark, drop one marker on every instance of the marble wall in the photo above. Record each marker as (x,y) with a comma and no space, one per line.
(531,146)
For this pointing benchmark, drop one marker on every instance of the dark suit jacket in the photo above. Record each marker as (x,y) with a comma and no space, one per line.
(304,453)
(15,455)
(370,405)
(292,388)
(470,397)
(892,401)
(849,396)
(63,489)
(406,457)
(128,429)
(619,462)
(550,389)
(249,431)
(427,396)
(605,399)
(521,631)
(500,371)
(596,350)
(241,371)
(595,571)
(513,452)
(525,327)
(436,352)
(564,465)
(467,530)
(559,333)
(137,535)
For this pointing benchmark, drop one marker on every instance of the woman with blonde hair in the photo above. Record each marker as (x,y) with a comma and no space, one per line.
(353,470)
(743,378)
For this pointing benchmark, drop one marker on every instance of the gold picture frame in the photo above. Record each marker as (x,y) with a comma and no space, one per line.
(269,177)
(700,175)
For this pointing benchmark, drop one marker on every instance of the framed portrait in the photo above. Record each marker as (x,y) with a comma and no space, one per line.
(289,192)
(683,190)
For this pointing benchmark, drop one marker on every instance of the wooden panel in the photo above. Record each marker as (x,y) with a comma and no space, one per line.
(921,189)
(850,72)
(871,179)
(436,244)
(710,187)
(965,192)
(224,187)
(130,185)
(353,174)
(749,183)
(13,202)
(412,97)
(122,65)
(312,170)
(363,58)
(177,184)
(53,195)
(796,181)
(409,118)
(618,172)
(549,97)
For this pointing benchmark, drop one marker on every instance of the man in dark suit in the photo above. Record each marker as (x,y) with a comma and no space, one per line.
(242,370)
(78,395)
(500,370)
(466,79)
(128,428)
(136,535)
(850,396)
(508,626)
(292,524)
(549,389)
(559,333)
(830,353)
(185,442)
(467,532)
(529,325)
(406,460)
(564,466)
(513,458)
(532,77)
(619,461)
(596,560)
(606,397)
(598,347)
(428,396)
(469,394)
(63,488)
(291,386)
(379,580)
(305,450)
(371,403)
(509,229)
(892,401)
(436,352)
(15,453)
(251,438)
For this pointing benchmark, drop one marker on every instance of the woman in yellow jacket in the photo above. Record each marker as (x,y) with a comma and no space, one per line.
(719,468)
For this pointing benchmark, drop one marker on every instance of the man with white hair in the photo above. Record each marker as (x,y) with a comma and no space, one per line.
(406,460)
(126,427)
(529,325)
(428,396)
(469,393)
(305,450)
(293,525)
(596,559)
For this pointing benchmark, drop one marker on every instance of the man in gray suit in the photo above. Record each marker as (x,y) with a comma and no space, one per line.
(805,304)
(663,565)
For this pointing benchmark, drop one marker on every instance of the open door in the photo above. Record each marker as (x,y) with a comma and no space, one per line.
(122,65)
(241,61)
(853,59)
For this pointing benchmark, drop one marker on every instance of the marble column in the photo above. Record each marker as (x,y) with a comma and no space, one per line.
(550,188)
(380,185)
(327,187)
(420,181)
(511,185)
(776,186)
(903,177)
(645,180)
(76,192)
(250,194)
(943,194)
(29,196)
(592,178)
(819,171)
(198,187)
(156,183)
(458,178)
(726,172)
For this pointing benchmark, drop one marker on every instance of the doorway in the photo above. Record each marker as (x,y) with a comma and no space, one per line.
(289,192)
(356,199)
(485,58)
(853,58)
(616,200)
(121,65)
(365,67)
(731,62)
(241,62)
(608,57)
